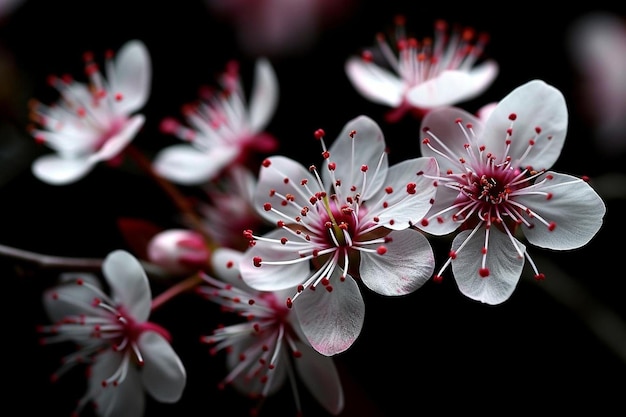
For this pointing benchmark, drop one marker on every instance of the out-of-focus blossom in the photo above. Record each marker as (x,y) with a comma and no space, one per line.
(230,209)
(495,183)
(416,76)
(351,223)
(597,46)
(279,27)
(126,354)
(7,7)
(179,251)
(267,345)
(92,122)
(223,129)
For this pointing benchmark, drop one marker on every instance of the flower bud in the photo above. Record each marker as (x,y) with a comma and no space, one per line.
(179,251)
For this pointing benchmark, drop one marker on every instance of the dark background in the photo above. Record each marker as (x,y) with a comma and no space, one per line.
(559,345)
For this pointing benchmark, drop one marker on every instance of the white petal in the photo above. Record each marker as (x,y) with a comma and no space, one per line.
(273,277)
(404,208)
(133,76)
(116,144)
(408,263)
(536,104)
(350,153)
(320,376)
(574,206)
(333,320)
(70,299)
(129,283)
(163,373)
(225,263)
(125,400)
(273,177)
(375,83)
(442,223)
(186,165)
(503,261)
(55,170)
(452,87)
(264,96)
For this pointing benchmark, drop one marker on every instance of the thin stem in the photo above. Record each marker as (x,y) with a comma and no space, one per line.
(185,285)
(49,261)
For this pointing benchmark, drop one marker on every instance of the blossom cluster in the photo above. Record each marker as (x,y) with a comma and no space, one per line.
(286,248)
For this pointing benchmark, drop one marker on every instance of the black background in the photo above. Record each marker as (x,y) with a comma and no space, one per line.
(547,348)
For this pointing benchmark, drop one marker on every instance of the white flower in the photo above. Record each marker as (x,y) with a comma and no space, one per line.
(495,182)
(264,347)
(92,122)
(350,223)
(223,130)
(422,75)
(126,353)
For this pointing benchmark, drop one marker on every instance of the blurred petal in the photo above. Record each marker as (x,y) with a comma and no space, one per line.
(163,373)
(129,283)
(375,83)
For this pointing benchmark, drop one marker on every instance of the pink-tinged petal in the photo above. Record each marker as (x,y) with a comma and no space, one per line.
(407,192)
(178,251)
(575,208)
(405,266)
(360,143)
(184,164)
(320,376)
(129,283)
(449,137)
(273,277)
(116,144)
(71,299)
(331,320)
(485,111)
(55,170)
(131,77)
(264,96)
(375,83)
(163,374)
(504,263)
(124,400)
(225,263)
(284,176)
(453,86)
(535,105)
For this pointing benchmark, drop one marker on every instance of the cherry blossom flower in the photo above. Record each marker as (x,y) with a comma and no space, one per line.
(264,349)
(597,46)
(495,184)
(179,251)
(92,122)
(417,76)
(222,129)
(350,223)
(126,353)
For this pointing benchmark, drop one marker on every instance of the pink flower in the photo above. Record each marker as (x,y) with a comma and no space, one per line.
(415,76)
(223,130)
(126,353)
(351,223)
(267,344)
(179,251)
(495,183)
(92,122)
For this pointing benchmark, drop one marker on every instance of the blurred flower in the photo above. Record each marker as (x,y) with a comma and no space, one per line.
(278,27)
(496,183)
(92,122)
(353,221)
(418,76)
(223,131)
(597,46)
(126,354)
(231,208)
(179,251)
(7,7)
(263,349)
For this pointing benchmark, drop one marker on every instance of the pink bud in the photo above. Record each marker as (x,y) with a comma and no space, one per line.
(178,251)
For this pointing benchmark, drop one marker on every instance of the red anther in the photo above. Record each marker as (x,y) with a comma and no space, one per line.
(585,178)
(537,130)
(289,303)
(118,97)
(332,166)
(280,223)
(426,141)
(540,276)
(367,56)
(552,226)
(266,163)
(257,261)
(364,168)
(248,234)
(325,154)
(319,133)
(452,254)
(549,196)
(512,116)
(329,288)
(296,354)
(381,250)
(424,222)
(410,188)
(283,240)
(458,120)
(267,206)
(483,272)
(352,133)
(437,279)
